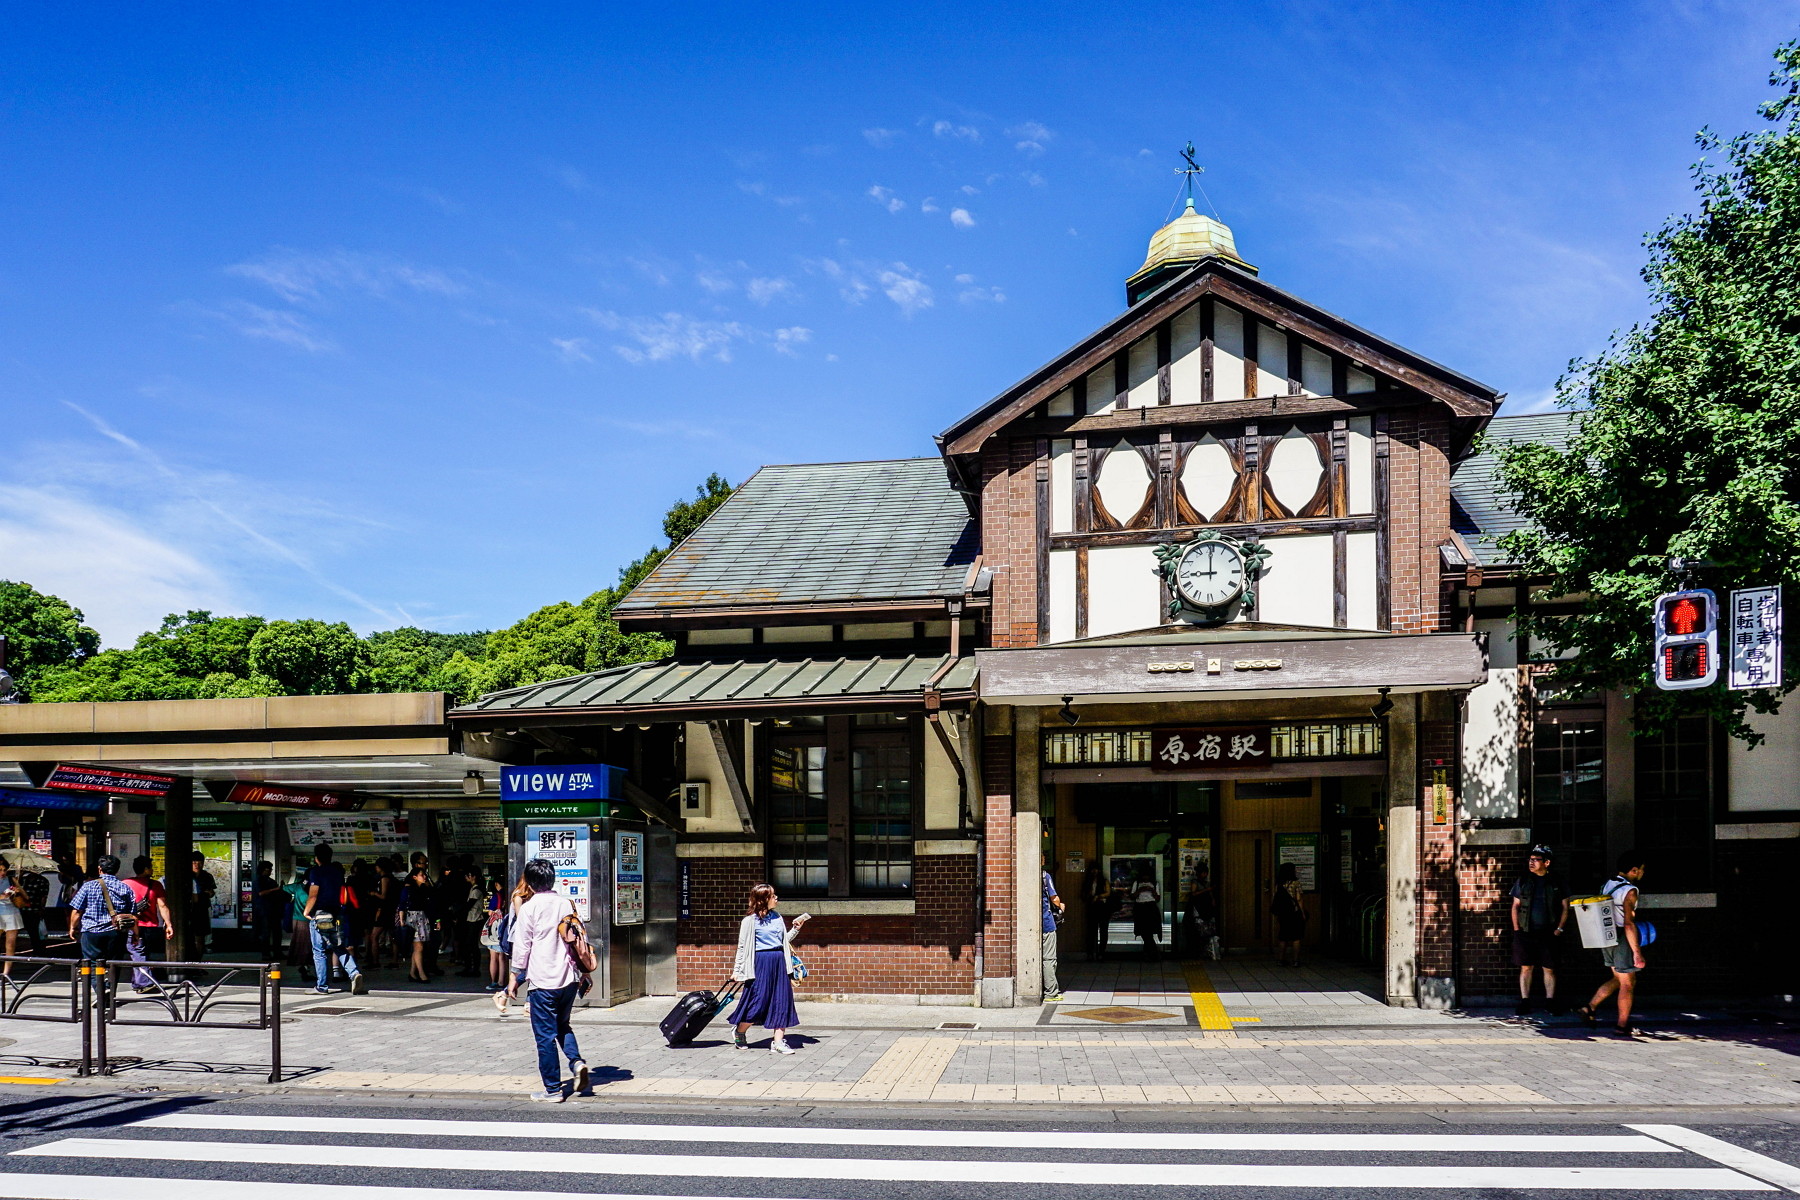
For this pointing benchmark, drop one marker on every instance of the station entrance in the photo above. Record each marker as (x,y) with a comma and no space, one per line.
(1188,869)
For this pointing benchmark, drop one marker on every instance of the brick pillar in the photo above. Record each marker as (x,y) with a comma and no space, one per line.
(999,954)
(1436,890)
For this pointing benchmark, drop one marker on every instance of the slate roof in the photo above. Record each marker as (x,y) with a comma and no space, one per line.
(821,532)
(1479,510)
(721,686)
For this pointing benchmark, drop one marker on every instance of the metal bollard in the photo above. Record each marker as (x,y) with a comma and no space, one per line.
(85,1001)
(99,1007)
(274,1024)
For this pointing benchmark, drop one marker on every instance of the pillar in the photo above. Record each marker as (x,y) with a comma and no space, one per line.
(998,933)
(178,877)
(1401,969)
(1028,851)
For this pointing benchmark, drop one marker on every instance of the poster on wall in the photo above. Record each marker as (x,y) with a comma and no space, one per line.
(1346,860)
(565,847)
(365,834)
(227,860)
(1302,850)
(471,831)
(628,878)
(1194,862)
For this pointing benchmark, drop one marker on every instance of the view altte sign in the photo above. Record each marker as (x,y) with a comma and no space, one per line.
(1243,747)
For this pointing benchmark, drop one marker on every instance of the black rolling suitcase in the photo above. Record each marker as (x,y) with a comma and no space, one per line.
(692,1012)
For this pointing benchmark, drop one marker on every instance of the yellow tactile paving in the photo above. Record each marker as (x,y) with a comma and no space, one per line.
(1209,1010)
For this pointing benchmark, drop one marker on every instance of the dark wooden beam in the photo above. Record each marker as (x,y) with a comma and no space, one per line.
(731,765)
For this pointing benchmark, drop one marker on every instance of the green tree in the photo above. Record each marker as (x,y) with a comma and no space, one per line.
(309,658)
(41,631)
(1689,442)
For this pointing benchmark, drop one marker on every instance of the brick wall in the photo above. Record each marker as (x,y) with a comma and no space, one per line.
(1436,891)
(998,936)
(931,952)
(1418,518)
(1485,875)
(1009,538)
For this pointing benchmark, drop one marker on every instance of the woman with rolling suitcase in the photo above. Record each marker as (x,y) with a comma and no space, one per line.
(766,963)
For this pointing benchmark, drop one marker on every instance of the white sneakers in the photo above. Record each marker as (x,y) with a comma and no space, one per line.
(582,1085)
(779,1046)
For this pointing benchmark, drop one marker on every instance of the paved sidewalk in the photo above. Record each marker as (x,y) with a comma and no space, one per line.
(1242,1033)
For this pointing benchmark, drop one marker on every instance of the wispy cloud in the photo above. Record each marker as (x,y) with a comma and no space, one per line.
(955,132)
(299,277)
(715,283)
(960,218)
(568,176)
(905,288)
(183,482)
(768,290)
(886,198)
(1032,137)
(273,325)
(573,349)
(971,292)
(880,138)
(673,336)
(123,579)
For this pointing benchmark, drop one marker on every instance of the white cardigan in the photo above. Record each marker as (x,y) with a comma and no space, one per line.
(743,968)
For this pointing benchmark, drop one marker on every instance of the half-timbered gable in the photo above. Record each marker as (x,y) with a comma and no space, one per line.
(1218,402)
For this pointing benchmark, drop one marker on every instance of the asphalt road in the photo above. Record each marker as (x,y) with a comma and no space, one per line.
(104,1146)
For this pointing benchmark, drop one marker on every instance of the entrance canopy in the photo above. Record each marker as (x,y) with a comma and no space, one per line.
(1240,661)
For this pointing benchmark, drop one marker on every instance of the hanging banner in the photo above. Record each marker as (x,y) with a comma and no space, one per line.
(276,796)
(78,777)
(1754,615)
(1440,796)
(628,878)
(55,801)
(686,894)
(1239,746)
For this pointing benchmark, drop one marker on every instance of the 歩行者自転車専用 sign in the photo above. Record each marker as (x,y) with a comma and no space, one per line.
(291,797)
(80,777)
(1230,746)
(582,781)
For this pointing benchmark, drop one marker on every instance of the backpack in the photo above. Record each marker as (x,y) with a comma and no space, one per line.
(581,952)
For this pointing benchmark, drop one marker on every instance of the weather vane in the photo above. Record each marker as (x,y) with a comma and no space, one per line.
(1192,169)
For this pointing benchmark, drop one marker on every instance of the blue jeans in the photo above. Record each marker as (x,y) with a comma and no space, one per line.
(324,946)
(99,944)
(550,1027)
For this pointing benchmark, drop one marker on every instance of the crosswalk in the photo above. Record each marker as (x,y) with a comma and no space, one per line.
(270,1158)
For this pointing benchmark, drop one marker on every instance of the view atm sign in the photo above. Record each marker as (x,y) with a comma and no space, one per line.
(582,781)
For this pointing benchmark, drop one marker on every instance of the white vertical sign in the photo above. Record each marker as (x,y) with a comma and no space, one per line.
(628,878)
(564,847)
(1754,617)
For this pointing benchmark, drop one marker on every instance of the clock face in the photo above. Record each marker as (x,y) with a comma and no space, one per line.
(1210,574)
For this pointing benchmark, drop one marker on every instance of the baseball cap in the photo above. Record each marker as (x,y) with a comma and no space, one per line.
(1540,852)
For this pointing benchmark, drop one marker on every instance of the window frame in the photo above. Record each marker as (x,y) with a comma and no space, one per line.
(840,735)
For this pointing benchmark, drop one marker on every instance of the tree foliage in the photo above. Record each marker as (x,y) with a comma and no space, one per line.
(1688,439)
(197,655)
(42,632)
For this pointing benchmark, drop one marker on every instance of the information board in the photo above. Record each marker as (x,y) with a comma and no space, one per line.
(1302,850)
(1754,627)
(628,878)
(565,847)
(471,830)
(366,834)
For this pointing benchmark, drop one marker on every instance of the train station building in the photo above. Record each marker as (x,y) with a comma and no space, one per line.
(1211,595)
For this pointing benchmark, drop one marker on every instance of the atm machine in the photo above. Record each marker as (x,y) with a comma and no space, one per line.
(609,863)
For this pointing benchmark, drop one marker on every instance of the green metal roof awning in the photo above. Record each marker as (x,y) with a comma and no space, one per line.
(693,691)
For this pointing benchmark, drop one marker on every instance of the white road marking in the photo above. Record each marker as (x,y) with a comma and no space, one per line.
(1770,1170)
(1491,1143)
(112,1187)
(1112,1175)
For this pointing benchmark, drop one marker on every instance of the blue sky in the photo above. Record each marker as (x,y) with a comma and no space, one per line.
(424,314)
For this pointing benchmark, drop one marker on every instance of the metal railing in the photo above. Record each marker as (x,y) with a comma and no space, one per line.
(190,995)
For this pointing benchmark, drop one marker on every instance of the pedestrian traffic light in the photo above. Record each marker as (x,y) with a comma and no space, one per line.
(1687,640)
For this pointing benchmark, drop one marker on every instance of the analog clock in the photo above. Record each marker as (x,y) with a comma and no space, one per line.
(1210,574)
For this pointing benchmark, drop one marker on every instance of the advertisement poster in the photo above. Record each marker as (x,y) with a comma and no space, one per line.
(1346,860)
(364,834)
(565,847)
(220,851)
(1194,862)
(628,879)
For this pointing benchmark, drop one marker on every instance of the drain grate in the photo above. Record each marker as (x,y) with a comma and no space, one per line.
(959,1025)
(328,1011)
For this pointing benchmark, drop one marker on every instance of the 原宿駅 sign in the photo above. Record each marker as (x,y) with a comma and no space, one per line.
(1239,746)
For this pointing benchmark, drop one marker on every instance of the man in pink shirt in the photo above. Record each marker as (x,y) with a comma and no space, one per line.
(541,958)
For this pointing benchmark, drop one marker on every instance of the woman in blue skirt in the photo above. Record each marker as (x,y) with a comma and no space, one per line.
(764,944)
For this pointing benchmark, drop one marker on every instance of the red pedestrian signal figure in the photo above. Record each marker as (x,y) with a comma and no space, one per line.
(1687,640)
